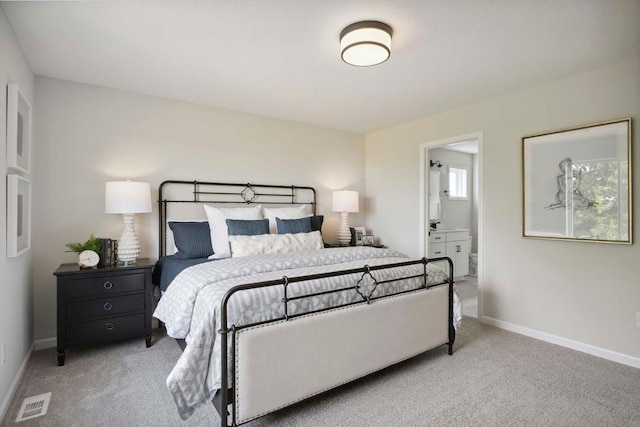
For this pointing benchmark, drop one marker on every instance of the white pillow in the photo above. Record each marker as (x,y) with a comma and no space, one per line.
(285,213)
(217,223)
(275,243)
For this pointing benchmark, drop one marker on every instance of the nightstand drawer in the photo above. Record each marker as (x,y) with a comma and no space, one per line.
(105,285)
(83,310)
(105,327)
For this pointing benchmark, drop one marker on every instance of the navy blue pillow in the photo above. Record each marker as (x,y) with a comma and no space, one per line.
(293,226)
(247,227)
(193,239)
(316,223)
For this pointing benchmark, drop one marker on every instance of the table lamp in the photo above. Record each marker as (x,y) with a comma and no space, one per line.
(128,198)
(345,201)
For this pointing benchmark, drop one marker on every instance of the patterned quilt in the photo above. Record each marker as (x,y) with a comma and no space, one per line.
(190,308)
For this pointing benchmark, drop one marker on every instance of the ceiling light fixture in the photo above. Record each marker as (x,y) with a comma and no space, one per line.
(366,43)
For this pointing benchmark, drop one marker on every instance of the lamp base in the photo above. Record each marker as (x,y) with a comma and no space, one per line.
(128,245)
(344,233)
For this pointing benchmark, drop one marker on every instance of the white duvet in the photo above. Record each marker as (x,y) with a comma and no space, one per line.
(190,308)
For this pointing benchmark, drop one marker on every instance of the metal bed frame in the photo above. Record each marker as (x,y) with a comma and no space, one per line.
(223,400)
(249,194)
(225,193)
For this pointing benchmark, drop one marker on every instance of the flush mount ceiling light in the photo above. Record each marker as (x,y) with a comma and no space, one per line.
(366,43)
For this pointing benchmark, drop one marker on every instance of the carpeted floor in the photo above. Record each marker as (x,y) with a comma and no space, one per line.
(494,378)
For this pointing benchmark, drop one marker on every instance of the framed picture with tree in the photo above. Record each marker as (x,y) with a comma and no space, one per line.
(576,184)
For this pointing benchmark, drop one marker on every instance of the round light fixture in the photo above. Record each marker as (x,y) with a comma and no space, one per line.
(366,43)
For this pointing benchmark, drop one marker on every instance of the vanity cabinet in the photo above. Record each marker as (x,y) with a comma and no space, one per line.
(454,244)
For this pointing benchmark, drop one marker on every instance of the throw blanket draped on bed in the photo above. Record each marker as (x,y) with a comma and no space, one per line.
(190,308)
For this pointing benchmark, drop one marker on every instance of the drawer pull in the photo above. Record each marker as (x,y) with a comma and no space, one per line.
(438,238)
(110,326)
(108,306)
(108,285)
(438,252)
(458,248)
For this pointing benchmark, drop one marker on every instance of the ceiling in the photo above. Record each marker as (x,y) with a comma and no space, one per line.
(280,58)
(467,147)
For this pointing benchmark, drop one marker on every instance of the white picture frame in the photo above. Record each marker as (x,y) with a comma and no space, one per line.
(18,130)
(18,215)
(368,240)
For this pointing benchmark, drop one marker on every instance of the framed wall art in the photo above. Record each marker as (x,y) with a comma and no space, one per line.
(576,184)
(18,130)
(18,215)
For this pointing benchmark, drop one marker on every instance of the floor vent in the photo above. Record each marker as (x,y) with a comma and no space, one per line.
(35,406)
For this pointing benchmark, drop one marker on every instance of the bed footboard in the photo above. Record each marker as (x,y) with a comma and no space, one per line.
(278,363)
(323,351)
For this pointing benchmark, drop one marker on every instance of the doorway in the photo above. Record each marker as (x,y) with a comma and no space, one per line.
(451,211)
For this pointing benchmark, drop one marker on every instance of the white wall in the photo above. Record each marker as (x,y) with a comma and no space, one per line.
(585,292)
(16,288)
(89,135)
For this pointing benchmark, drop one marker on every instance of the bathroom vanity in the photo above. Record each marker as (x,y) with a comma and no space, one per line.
(452,243)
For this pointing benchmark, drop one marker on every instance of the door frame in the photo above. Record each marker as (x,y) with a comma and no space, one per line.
(423,226)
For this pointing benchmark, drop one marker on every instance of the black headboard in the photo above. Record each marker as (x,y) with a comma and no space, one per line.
(193,193)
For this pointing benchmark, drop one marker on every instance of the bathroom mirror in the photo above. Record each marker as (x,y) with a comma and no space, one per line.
(434,195)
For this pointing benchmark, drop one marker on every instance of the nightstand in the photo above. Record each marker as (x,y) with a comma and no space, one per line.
(98,305)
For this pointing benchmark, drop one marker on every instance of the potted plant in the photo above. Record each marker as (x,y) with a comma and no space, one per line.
(87,251)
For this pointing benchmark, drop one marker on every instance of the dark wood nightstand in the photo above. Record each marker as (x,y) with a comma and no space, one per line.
(98,305)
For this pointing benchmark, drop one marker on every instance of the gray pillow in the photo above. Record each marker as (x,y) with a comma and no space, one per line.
(247,227)
(293,226)
(193,239)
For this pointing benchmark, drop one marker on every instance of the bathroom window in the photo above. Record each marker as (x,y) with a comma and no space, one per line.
(458,183)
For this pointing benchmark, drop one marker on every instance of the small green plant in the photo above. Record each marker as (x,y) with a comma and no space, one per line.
(92,244)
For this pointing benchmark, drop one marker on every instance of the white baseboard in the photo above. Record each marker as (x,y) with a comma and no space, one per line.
(564,342)
(46,343)
(14,385)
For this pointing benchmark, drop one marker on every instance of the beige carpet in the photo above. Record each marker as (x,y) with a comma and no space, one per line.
(494,378)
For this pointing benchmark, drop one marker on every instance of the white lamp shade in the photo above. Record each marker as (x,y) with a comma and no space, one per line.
(123,197)
(366,43)
(345,201)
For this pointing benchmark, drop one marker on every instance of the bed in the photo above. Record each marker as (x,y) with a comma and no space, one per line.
(272,329)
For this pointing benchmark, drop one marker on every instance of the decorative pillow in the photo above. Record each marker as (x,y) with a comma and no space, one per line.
(293,226)
(217,223)
(285,213)
(247,227)
(192,239)
(316,222)
(275,243)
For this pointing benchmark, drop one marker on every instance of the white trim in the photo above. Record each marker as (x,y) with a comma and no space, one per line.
(46,343)
(14,385)
(564,342)
(423,201)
